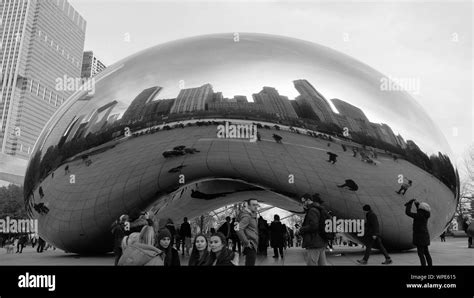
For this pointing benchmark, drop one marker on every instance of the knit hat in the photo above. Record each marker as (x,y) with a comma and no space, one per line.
(163,233)
(425,206)
(317,198)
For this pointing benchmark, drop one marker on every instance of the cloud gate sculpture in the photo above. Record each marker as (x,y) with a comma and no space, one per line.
(195,124)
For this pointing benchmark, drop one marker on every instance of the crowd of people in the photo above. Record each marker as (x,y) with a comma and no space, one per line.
(16,244)
(250,235)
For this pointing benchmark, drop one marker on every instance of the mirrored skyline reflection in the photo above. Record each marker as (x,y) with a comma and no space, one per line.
(243,67)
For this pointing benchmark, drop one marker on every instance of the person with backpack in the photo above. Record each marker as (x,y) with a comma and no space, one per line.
(373,236)
(313,242)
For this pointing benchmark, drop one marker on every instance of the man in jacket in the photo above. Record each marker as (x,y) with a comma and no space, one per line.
(119,230)
(247,231)
(314,244)
(185,232)
(373,236)
(225,228)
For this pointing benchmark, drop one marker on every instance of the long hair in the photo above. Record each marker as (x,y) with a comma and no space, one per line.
(195,259)
(147,235)
(163,233)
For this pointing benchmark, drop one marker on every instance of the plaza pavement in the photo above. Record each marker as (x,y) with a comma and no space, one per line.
(452,252)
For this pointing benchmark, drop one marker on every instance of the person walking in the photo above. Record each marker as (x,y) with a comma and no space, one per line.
(200,252)
(442,237)
(276,237)
(185,231)
(236,244)
(466,227)
(22,243)
(299,239)
(421,237)
(372,235)
(313,243)
(225,228)
(291,237)
(41,245)
(247,230)
(263,230)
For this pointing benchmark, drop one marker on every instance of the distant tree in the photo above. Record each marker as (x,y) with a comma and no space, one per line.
(11,202)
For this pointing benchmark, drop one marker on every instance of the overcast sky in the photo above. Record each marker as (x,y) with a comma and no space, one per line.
(428,41)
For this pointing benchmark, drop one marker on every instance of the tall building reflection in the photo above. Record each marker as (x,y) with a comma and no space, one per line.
(309,110)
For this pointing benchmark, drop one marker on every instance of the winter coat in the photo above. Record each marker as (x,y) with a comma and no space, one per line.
(195,260)
(310,229)
(248,229)
(421,237)
(118,233)
(185,230)
(226,258)
(371,225)
(225,229)
(276,234)
(139,254)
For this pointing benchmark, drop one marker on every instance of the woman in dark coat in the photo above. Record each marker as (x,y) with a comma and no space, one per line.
(421,237)
(221,255)
(200,253)
(163,243)
(276,236)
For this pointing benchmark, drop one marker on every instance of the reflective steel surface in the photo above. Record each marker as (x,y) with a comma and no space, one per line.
(323,120)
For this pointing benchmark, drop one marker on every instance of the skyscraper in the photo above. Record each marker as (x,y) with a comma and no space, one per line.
(348,110)
(42,41)
(91,65)
(274,103)
(315,100)
(193,99)
(136,110)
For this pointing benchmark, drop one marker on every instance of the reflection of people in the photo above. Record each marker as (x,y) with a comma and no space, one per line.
(350,184)
(404,187)
(421,237)
(354,151)
(332,157)
(373,236)
(277,138)
(40,191)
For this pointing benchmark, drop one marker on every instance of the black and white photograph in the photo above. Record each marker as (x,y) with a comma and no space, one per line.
(309,139)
